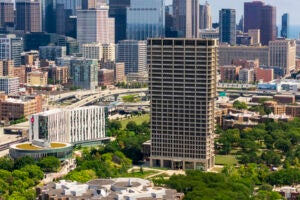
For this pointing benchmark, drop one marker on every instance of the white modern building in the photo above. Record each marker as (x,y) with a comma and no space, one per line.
(77,125)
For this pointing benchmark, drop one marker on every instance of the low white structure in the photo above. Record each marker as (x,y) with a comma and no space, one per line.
(74,125)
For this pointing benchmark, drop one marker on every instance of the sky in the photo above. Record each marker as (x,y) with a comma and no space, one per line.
(283,6)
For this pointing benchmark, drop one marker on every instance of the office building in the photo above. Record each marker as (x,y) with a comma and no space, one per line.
(7,16)
(264,75)
(118,10)
(119,72)
(252,15)
(92,51)
(283,54)
(63,16)
(72,5)
(209,33)
(106,77)
(6,68)
(255,36)
(109,52)
(257,15)
(95,26)
(285,25)
(227,29)
(84,73)
(77,125)
(48,15)
(145,19)
(205,16)
(246,75)
(101,52)
(52,52)
(37,78)
(229,73)
(229,53)
(134,54)
(182,88)
(11,48)
(12,108)
(10,85)
(186,14)
(28,16)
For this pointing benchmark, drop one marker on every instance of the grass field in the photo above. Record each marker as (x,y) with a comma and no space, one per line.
(226,160)
(137,119)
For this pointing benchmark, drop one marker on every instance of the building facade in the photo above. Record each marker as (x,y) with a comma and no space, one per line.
(28,15)
(52,52)
(186,15)
(257,15)
(95,26)
(229,53)
(16,108)
(37,78)
(227,26)
(78,125)
(285,25)
(84,73)
(6,13)
(134,54)
(10,85)
(205,16)
(182,88)
(6,68)
(11,48)
(283,54)
(145,19)
(118,10)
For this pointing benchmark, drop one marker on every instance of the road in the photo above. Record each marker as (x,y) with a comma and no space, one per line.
(104,94)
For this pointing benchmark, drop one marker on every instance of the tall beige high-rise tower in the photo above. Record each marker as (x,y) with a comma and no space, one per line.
(205,16)
(182,88)
(95,26)
(186,14)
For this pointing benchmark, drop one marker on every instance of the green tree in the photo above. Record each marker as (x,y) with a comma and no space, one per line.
(239,105)
(49,164)
(23,161)
(6,163)
(81,176)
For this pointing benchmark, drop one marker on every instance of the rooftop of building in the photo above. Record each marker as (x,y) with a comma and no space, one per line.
(31,146)
(119,188)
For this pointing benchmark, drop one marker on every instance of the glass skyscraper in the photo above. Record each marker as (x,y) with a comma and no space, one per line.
(227,28)
(145,19)
(285,23)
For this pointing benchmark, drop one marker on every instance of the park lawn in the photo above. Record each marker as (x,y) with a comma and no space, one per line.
(137,119)
(226,160)
(138,174)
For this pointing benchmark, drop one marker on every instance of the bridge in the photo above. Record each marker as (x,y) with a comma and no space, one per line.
(106,93)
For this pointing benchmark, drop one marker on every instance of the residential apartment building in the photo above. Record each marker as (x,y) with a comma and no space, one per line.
(182,88)
(6,67)
(52,52)
(11,48)
(10,85)
(37,78)
(84,73)
(12,108)
(246,75)
(229,73)
(134,54)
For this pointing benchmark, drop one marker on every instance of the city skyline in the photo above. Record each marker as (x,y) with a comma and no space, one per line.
(291,8)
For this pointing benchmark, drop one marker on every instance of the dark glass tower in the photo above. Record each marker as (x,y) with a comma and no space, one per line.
(257,15)
(48,16)
(285,25)
(227,29)
(268,24)
(117,9)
